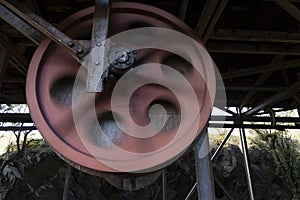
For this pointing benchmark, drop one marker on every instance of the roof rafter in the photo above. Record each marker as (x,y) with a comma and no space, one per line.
(254,36)
(289,7)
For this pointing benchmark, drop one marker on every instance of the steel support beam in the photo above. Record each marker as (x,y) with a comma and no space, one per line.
(254,36)
(205,183)
(17,128)
(15,117)
(25,118)
(247,162)
(246,48)
(253,119)
(211,125)
(290,8)
(20,25)
(261,69)
(73,47)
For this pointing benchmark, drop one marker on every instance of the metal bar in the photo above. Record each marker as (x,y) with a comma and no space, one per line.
(20,25)
(211,125)
(16,128)
(246,162)
(254,36)
(25,118)
(289,8)
(254,126)
(250,118)
(223,188)
(261,69)
(190,194)
(183,9)
(164,184)
(205,183)
(222,144)
(73,47)
(214,20)
(246,48)
(15,117)
(206,14)
(275,98)
(67,183)
(97,58)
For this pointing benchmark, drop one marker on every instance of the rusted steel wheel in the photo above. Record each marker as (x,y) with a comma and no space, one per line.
(50,82)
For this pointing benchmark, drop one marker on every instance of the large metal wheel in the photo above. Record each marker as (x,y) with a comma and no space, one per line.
(50,82)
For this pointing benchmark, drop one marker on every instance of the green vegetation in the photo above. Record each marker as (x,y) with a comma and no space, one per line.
(286,154)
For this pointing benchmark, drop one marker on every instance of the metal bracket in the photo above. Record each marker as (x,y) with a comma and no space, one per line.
(96,62)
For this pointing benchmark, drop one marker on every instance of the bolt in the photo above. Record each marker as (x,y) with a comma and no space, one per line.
(97,62)
(70,44)
(79,50)
(98,44)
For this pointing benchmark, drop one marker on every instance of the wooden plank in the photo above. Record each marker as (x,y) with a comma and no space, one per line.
(206,14)
(254,36)
(214,20)
(254,88)
(261,69)
(246,48)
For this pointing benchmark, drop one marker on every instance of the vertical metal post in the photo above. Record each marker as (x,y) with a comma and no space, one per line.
(164,184)
(246,162)
(205,183)
(246,159)
(67,183)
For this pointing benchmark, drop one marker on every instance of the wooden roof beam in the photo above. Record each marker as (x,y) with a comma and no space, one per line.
(209,17)
(4,57)
(290,8)
(274,99)
(20,60)
(261,69)
(241,48)
(183,9)
(261,80)
(254,36)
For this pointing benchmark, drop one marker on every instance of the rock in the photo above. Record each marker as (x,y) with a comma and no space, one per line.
(229,169)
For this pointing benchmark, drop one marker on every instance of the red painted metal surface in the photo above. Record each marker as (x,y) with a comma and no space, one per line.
(49,85)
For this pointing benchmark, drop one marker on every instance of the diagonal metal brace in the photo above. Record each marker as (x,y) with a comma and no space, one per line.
(77,50)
